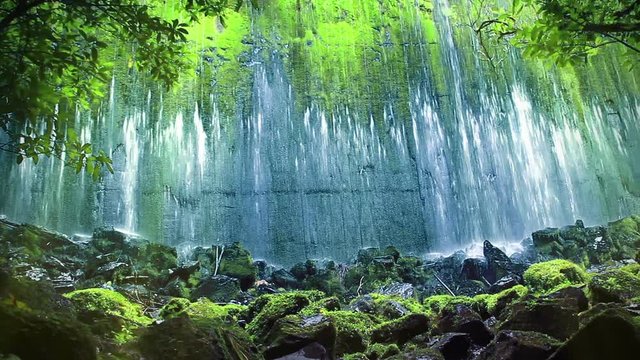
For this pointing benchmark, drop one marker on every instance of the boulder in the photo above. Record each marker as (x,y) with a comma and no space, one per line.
(624,236)
(604,337)
(353,330)
(545,316)
(33,335)
(498,263)
(292,333)
(283,278)
(266,310)
(474,269)
(218,288)
(418,354)
(453,346)
(401,330)
(504,283)
(403,290)
(313,351)
(570,297)
(461,319)
(614,286)
(180,338)
(519,345)
(553,275)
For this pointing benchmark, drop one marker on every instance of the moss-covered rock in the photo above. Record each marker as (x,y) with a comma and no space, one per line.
(546,316)
(238,263)
(624,234)
(516,345)
(401,330)
(267,309)
(382,351)
(219,288)
(550,276)
(493,304)
(181,338)
(417,353)
(34,335)
(293,332)
(615,285)
(353,330)
(108,313)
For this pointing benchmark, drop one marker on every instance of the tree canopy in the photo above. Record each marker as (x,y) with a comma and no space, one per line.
(564,31)
(53,62)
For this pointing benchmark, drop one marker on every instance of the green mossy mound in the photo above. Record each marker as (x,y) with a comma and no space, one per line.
(267,309)
(108,313)
(353,330)
(624,234)
(182,338)
(615,285)
(551,276)
(35,335)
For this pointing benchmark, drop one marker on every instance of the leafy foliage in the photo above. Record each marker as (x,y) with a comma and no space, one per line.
(563,31)
(55,61)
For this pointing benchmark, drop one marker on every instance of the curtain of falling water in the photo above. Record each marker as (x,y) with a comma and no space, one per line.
(487,161)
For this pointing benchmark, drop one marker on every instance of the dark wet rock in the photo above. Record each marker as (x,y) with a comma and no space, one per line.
(401,330)
(608,309)
(283,278)
(453,346)
(519,345)
(604,337)
(293,333)
(474,269)
(498,263)
(313,351)
(545,316)
(363,304)
(448,269)
(368,255)
(504,283)
(403,290)
(418,354)
(263,269)
(461,319)
(614,286)
(218,288)
(570,297)
(325,280)
(469,288)
(33,335)
(180,338)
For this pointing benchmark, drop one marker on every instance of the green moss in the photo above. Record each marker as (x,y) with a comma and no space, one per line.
(435,304)
(614,286)
(550,276)
(174,307)
(490,303)
(384,305)
(382,351)
(267,309)
(109,312)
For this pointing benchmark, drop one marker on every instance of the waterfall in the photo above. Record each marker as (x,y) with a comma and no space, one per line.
(427,149)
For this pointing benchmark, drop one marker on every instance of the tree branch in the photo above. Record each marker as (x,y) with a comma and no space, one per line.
(19,11)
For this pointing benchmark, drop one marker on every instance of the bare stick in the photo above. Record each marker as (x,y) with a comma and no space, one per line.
(445,285)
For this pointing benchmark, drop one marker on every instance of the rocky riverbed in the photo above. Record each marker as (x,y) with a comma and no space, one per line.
(571,293)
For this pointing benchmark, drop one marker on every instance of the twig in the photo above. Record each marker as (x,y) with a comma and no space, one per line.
(359,286)
(445,285)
